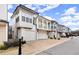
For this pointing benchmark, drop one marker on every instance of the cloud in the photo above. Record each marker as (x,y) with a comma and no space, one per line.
(57,13)
(10,6)
(34,6)
(11,21)
(70,18)
(73,29)
(30,6)
(70,21)
(48,7)
(66,18)
(70,11)
(39,8)
(9,15)
(50,18)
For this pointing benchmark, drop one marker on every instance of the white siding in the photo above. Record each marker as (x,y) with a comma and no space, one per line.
(26,14)
(3,33)
(27,34)
(3,26)
(3,11)
(6,33)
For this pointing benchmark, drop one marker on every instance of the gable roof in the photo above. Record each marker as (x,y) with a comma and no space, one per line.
(25,8)
(4,21)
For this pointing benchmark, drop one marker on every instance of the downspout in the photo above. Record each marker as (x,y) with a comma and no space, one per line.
(8,32)
(36,26)
(7,24)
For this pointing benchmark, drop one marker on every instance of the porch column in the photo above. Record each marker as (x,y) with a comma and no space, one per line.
(50,25)
(42,23)
(37,22)
(47,25)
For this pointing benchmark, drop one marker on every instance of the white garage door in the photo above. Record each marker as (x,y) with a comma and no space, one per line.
(29,34)
(42,35)
(2,33)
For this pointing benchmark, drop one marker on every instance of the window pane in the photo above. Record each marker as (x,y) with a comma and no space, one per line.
(51,27)
(30,20)
(27,19)
(23,18)
(17,19)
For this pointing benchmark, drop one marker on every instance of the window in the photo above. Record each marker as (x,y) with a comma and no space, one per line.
(51,27)
(23,18)
(30,20)
(17,19)
(27,19)
(55,27)
(34,21)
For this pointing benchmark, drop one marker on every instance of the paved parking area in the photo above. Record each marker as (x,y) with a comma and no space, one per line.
(68,48)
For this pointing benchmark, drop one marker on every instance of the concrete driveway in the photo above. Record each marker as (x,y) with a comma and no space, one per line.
(70,47)
(34,47)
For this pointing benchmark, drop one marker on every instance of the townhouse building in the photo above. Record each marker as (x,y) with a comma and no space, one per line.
(24,27)
(54,30)
(31,26)
(63,30)
(43,27)
(3,24)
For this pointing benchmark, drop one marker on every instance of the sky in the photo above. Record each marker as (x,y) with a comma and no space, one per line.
(65,14)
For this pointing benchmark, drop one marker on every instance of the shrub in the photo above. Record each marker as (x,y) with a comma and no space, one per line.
(58,38)
(51,38)
(13,44)
(23,42)
(3,47)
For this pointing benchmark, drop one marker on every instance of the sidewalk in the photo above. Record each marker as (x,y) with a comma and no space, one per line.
(34,47)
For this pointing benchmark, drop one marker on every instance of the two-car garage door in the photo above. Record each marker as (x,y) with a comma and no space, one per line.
(42,35)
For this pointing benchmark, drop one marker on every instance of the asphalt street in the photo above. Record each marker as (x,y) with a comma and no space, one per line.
(70,47)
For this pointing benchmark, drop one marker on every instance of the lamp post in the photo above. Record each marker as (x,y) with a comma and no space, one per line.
(20,44)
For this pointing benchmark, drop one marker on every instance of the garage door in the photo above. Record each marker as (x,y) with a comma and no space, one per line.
(29,34)
(2,33)
(42,35)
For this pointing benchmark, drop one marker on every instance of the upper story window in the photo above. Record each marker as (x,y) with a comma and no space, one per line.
(17,19)
(48,25)
(26,19)
(30,20)
(34,20)
(23,18)
(45,24)
(55,26)
(51,27)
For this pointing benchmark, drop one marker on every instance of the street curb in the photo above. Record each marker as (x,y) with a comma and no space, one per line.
(40,50)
